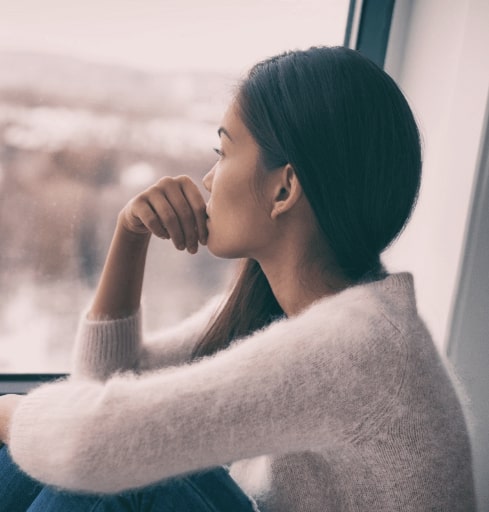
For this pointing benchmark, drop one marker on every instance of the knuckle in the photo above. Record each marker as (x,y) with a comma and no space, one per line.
(135,201)
(164,182)
(140,201)
(183,179)
(133,207)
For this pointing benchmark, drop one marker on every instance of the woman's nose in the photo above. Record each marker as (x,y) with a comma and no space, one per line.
(207,180)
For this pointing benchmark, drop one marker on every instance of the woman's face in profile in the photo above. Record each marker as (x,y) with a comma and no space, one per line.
(239,223)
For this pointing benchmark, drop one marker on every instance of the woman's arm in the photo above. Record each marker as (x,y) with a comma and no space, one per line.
(118,294)
(172,208)
(103,347)
(291,387)
(109,338)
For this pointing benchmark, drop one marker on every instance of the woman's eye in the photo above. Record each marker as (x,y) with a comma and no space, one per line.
(219,152)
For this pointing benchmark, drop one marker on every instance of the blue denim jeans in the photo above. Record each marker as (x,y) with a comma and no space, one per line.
(208,491)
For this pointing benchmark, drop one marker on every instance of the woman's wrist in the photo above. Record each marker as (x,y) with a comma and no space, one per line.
(119,292)
(128,234)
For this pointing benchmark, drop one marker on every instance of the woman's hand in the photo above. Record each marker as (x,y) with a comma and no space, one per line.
(8,404)
(171,208)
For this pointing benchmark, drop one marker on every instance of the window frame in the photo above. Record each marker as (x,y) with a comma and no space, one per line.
(22,383)
(368,28)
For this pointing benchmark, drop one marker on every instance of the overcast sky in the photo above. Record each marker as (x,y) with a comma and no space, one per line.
(171,34)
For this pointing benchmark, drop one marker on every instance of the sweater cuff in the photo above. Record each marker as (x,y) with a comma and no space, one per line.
(103,347)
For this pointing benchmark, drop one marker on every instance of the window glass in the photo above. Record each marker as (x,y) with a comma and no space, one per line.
(97,101)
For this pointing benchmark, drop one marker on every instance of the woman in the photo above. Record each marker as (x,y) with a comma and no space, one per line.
(315,382)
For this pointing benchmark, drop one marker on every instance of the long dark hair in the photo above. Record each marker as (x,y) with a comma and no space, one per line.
(348,132)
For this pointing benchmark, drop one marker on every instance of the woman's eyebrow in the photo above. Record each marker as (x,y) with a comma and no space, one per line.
(226,133)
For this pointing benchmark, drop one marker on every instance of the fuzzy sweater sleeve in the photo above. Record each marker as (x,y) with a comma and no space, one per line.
(299,384)
(103,347)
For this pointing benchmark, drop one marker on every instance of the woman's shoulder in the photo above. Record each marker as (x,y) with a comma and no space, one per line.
(366,321)
(366,307)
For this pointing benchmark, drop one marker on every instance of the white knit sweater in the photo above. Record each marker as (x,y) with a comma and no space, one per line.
(345,407)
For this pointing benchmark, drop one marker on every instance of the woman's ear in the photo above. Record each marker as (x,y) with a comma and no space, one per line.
(287,191)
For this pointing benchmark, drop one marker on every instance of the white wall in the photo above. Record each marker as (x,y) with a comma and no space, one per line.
(438,54)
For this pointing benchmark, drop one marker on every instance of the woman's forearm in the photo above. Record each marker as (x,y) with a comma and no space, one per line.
(119,291)
(173,208)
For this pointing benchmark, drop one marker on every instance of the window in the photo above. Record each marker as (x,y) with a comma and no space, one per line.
(98,100)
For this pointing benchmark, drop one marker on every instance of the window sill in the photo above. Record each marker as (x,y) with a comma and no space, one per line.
(22,383)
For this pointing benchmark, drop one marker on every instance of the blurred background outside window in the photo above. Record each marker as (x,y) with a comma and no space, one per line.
(97,101)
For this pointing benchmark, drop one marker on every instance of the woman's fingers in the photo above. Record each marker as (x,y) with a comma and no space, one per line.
(197,203)
(151,221)
(187,223)
(172,212)
(172,208)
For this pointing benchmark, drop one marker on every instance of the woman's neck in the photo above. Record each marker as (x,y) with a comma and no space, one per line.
(297,284)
